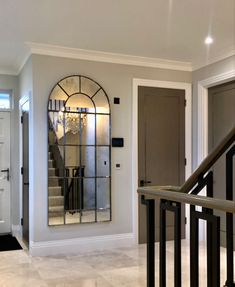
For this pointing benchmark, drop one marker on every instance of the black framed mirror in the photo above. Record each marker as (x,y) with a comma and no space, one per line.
(79,152)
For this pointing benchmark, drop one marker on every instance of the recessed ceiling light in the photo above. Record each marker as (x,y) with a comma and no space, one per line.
(209,40)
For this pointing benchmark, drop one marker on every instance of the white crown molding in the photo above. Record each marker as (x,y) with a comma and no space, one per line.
(8,71)
(23,62)
(98,56)
(80,245)
(217,79)
(221,56)
(59,51)
(15,71)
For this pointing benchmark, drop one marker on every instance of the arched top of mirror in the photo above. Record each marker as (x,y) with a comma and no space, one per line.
(76,93)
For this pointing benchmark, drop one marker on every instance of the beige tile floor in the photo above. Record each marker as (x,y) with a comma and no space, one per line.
(105,268)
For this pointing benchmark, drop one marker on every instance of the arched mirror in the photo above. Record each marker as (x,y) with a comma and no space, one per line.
(79,152)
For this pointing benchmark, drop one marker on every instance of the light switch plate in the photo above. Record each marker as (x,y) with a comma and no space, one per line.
(118,166)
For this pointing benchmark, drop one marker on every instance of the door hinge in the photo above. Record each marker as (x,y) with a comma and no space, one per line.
(185,161)
(185,103)
(21,221)
(21,119)
(22,170)
(185,220)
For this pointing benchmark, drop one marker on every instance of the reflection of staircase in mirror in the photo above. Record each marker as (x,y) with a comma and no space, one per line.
(56,198)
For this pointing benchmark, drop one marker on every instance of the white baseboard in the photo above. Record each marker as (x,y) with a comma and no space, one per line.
(16,230)
(81,245)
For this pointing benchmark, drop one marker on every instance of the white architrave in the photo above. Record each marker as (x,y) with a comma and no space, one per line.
(203,109)
(23,100)
(203,122)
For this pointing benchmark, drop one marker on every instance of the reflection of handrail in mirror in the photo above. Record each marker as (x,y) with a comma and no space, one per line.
(74,189)
(51,128)
(54,149)
(58,129)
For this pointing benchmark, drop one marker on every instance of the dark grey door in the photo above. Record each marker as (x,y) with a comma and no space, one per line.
(25,142)
(221,112)
(161,146)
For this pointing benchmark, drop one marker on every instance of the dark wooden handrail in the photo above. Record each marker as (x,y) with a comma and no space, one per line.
(151,192)
(208,162)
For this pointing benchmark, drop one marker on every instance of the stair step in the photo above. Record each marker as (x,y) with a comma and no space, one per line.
(50,163)
(54,190)
(56,218)
(51,171)
(56,214)
(56,209)
(53,181)
(56,201)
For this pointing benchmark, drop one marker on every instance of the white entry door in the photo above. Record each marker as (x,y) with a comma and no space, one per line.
(5,172)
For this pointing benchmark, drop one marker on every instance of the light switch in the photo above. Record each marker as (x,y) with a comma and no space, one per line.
(118,166)
(116,101)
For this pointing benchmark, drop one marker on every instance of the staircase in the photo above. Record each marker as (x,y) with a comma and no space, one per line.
(170,199)
(56,199)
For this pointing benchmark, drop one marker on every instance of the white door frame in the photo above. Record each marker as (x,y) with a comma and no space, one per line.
(22,101)
(188,138)
(203,110)
(202,118)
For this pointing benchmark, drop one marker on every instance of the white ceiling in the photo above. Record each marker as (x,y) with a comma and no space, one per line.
(167,29)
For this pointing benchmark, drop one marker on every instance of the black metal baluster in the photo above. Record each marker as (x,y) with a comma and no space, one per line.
(177,250)
(207,182)
(194,272)
(176,208)
(229,217)
(150,208)
(229,247)
(214,260)
(210,262)
(216,251)
(162,243)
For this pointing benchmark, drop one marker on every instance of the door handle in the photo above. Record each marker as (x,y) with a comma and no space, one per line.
(8,173)
(143,182)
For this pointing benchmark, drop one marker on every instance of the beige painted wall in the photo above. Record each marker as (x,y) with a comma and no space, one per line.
(117,82)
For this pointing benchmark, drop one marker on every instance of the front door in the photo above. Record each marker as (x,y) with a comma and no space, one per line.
(161,146)
(5,196)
